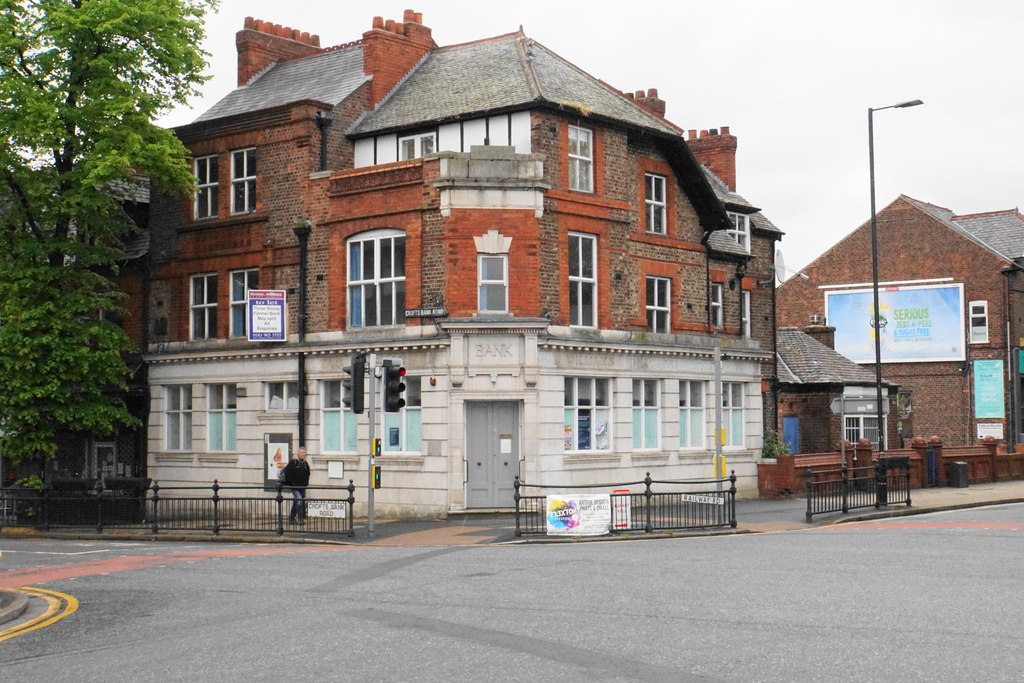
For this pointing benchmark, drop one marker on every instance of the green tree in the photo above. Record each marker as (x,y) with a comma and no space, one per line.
(81,82)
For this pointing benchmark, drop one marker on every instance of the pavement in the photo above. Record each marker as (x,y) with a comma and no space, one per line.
(490,528)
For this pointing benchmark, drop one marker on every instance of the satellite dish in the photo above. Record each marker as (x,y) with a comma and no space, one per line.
(780,266)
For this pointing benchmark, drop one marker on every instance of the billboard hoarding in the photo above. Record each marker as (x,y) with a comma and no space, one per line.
(920,323)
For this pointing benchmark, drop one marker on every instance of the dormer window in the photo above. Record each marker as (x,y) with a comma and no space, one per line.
(416,146)
(740,230)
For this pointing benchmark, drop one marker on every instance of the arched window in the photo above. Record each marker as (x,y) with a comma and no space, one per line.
(376,279)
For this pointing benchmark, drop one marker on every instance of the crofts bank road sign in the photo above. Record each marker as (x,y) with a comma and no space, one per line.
(266,311)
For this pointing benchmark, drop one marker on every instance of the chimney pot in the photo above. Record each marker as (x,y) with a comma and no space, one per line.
(703,133)
(714,131)
(408,16)
(389,25)
(692,134)
(652,92)
(419,18)
(249,23)
(378,22)
(628,94)
(640,93)
(725,130)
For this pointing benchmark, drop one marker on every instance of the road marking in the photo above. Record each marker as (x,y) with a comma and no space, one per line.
(34,575)
(985,526)
(59,605)
(44,552)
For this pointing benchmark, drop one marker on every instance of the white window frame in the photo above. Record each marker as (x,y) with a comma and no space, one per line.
(203,306)
(580,282)
(745,313)
(692,420)
(581,159)
(288,393)
(733,401)
(243,184)
(206,194)
(407,416)
(715,302)
(659,312)
(249,278)
(222,408)
(978,310)
(855,427)
(333,410)
(422,145)
(655,203)
(486,288)
(740,230)
(646,403)
(178,414)
(594,409)
(363,286)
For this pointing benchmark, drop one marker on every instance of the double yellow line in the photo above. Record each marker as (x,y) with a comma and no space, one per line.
(59,605)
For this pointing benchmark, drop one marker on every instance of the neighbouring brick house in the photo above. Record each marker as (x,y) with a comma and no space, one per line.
(811,376)
(552,262)
(947,284)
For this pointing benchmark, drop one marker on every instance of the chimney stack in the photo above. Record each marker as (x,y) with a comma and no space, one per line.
(261,43)
(391,49)
(826,334)
(651,102)
(717,151)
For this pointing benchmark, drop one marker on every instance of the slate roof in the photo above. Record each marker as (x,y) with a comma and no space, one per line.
(329,77)
(720,240)
(505,72)
(805,360)
(999,231)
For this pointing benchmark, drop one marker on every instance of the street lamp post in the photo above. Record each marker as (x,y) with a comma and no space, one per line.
(874,265)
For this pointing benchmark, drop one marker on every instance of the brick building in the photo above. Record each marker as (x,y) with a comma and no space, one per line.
(812,375)
(553,261)
(952,314)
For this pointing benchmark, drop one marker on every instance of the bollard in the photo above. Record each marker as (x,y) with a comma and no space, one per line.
(216,515)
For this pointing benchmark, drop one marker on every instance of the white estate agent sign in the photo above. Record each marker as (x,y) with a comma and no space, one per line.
(267,314)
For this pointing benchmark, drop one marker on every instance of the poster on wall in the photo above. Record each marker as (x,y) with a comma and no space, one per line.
(579,514)
(988,389)
(917,323)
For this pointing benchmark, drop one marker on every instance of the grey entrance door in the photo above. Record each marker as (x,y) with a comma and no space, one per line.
(492,453)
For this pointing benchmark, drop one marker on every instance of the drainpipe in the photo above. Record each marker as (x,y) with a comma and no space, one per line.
(302,233)
(323,123)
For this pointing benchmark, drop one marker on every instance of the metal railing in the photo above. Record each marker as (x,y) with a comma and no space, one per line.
(852,488)
(705,504)
(212,508)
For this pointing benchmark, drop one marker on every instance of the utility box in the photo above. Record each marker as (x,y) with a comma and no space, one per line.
(958,475)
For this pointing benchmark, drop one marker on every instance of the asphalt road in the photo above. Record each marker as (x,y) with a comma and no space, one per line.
(933,597)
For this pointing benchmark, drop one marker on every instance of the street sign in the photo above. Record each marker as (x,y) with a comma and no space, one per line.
(434,312)
(326,508)
(868,406)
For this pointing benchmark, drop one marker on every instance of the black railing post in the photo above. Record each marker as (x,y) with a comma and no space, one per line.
(881,485)
(516,484)
(732,499)
(808,482)
(648,528)
(216,515)
(846,489)
(351,506)
(99,506)
(906,480)
(156,497)
(44,507)
(280,504)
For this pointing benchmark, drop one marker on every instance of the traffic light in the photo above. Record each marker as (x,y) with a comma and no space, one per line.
(376,476)
(393,388)
(352,384)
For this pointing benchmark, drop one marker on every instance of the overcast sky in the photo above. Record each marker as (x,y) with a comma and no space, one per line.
(793,79)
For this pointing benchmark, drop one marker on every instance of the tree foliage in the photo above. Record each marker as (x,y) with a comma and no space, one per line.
(81,82)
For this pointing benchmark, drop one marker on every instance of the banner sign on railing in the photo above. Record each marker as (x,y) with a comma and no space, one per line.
(579,514)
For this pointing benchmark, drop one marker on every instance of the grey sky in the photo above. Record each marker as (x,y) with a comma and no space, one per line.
(792,79)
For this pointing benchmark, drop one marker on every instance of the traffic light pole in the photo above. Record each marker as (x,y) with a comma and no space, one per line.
(372,417)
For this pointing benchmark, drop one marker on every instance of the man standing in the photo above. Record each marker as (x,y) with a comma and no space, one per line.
(296,477)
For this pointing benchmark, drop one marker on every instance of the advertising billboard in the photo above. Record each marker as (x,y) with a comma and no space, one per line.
(918,323)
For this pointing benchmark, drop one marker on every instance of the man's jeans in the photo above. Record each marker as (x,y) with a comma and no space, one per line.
(298,513)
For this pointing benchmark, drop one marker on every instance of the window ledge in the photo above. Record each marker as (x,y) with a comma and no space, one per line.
(173,457)
(650,456)
(585,458)
(412,461)
(278,417)
(225,221)
(225,458)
